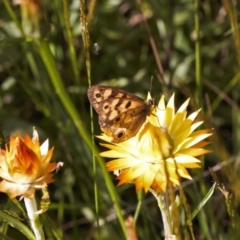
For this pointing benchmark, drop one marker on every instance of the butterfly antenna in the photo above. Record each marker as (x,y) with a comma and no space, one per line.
(151,85)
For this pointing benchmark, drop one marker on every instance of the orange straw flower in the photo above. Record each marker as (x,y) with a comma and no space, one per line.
(25,166)
(164,147)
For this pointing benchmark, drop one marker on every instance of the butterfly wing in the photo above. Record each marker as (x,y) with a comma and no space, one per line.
(121,114)
(124,126)
(105,99)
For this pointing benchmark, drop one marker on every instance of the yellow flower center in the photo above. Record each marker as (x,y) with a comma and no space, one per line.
(154,144)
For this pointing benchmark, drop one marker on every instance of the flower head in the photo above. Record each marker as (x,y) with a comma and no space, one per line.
(25,166)
(32,7)
(164,147)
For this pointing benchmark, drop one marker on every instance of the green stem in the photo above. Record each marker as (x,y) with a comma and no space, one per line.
(36,225)
(13,16)
(198,54)
(164,208)
(50,65)
(69,37)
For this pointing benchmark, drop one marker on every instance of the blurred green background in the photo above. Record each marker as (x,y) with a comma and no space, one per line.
(43,83)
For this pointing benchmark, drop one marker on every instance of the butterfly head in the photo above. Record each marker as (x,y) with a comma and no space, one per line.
(150,102)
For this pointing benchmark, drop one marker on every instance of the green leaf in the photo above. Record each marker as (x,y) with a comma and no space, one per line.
(14,222)
(204,201)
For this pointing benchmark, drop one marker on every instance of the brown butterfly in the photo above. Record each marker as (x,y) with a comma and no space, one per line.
(121,114)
